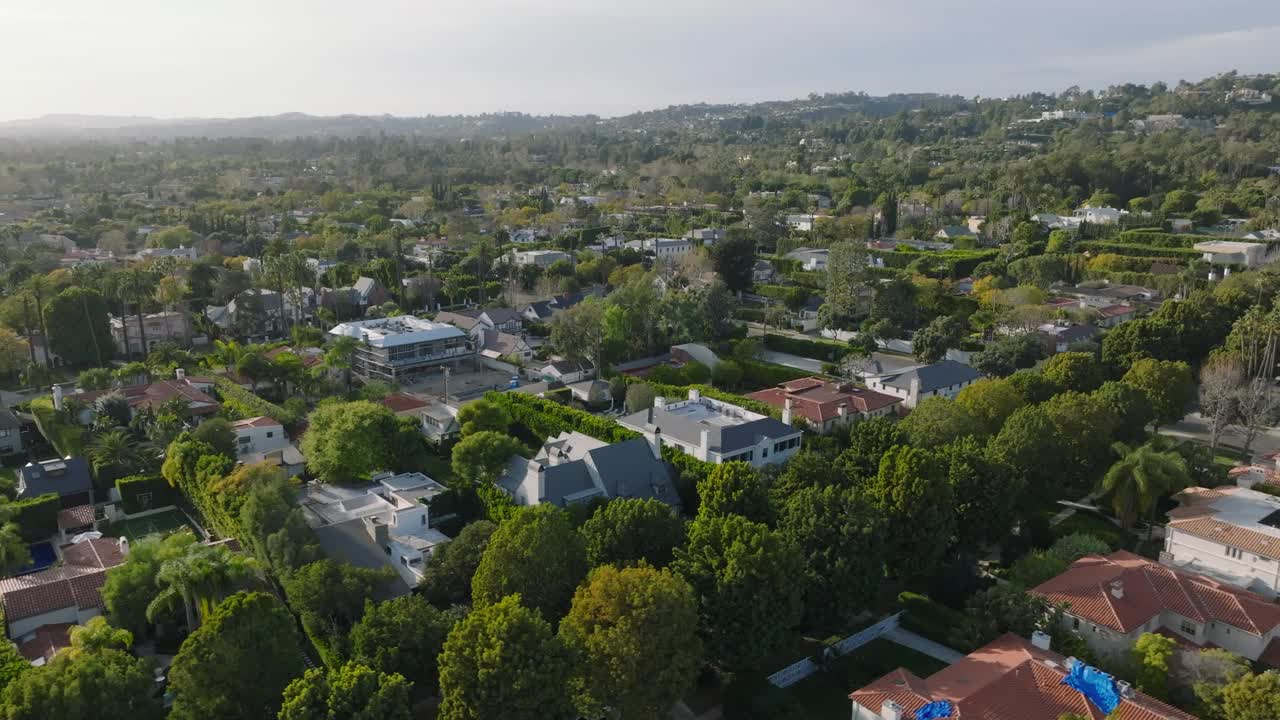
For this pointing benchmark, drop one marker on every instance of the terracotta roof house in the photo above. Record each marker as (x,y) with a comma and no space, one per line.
(1113,600)
(404,404)
(1008,679)
(1113,315)
(152,396)
(65,593)
(1229,533)
(826,405)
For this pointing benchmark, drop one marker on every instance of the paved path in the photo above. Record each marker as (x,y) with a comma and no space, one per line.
(1089,500)
(1195,427)
(906,638)
(793,361)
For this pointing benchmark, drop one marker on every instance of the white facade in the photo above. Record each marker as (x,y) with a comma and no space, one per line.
(258,435)
(1116,645)
(700,426)
(540,258)
(1099,215)
(1221,252)
(1223,536)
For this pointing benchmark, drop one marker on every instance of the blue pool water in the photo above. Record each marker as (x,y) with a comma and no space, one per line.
(42,556)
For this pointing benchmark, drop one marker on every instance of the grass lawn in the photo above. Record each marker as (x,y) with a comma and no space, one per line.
(825,695)
(1087,522)
(138,528)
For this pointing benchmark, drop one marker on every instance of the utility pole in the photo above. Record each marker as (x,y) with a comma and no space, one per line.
(446,386)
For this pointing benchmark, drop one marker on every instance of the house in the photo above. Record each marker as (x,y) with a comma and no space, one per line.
(258,313)
(439,421)
(395,348)
(715,431)
(40,607)
(287,457)
(68,478)
(568,371)
(1226,252)
(181,252)
(497,345)
(694,352)
(576,468)
(525,236)
(10,433)
(539,258)
(805,318)
(762,271)
(1099,215)
(941,379)
(1053,221)
(161,328)
(1229,533)
(811,259)
(1113,600)
(1113,315)
(951,232)
(1104,295)
(803,222)
(826,405)
(258,435)
(1007,679)
(368,292)
(149,397)
(706,236)
(385,523)
(665,248)
(1181,225)
(544,310)
(1268,234)
(1059,338)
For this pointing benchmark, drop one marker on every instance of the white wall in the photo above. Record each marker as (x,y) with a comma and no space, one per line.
(260,439)
(1249,571)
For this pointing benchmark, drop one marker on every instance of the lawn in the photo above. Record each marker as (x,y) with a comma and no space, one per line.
(1087,522)
(163,523)
(825,695)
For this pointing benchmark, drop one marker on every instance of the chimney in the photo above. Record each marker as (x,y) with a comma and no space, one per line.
(655,442)
(123,542)
(659,402)
(786,411)
(180,374)
(57,397)
(704,445)
(1117,590)
(1041,640)
(1124,689)
(843,410)
(915,387)
(695,395)
(890,710)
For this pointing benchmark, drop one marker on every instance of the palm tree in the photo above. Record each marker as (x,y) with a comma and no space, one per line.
(40,288)
(1140,477)
(115,449)
(138,282)
(226,353)
(171,292)
(340,354)
(115,287)
(199,578)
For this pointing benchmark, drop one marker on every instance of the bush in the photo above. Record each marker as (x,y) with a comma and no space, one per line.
(133,487)
(241,404)
(66,436)
(929,619)
(757,375)
(1137,250)
(1273,490)
(37,517)
(679,392)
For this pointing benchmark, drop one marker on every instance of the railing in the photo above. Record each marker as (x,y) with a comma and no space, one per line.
(801,669)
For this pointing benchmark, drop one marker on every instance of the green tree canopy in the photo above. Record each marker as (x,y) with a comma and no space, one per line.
(912,493)
(218,434)
(989,402)
(403,636)
(986,491)
(537,554)
(483,415)
(447,579)
(1168,386)
(350,692)
(842,542)
(938,421)
(480,458)
(627,531)
(1076,371)
(734,488)
(78,330)
(347,441)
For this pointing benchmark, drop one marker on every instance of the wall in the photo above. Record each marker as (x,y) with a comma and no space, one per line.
(802,669)
(1252,572)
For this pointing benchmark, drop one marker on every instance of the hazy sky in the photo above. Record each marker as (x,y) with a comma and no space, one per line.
(413,57)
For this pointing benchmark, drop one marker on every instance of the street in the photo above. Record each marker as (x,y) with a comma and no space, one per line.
(1195,427)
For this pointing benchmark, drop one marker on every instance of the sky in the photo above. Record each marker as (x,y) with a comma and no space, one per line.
(233,58)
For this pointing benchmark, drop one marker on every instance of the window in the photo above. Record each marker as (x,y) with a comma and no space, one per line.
(243,440)
(7,432)
(1075,623)
(764,452)
(1234,553)
(1188,627)
(271,433)
(424,519)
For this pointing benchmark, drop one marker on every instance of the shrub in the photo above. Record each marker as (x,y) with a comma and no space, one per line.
(241,403)
(923,616)
(38,516)
(132,489)
(814,349)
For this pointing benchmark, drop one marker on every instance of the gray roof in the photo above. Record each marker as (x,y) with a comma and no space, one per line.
(541,309)
(723,439)
(350,543)
(570,366)
(502,315)
(629,470)
(365,285)
(938,375)
(1077,333)
(561,482)
(9,421)
(63,477)
(699,352)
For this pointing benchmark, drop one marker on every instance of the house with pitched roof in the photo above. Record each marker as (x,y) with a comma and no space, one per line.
(150,396)
(258,435)
(1229,533)
(826,405)
(715,431)
(576,468)
(68,478)
(1111,601)
(1007,679)
(941,379)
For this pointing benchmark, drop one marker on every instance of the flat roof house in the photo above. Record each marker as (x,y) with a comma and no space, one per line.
(1228,533)
(395,348)
(1113,600)
(1226,252)
(941,379)
(575,468)
(826,405)
(715,431)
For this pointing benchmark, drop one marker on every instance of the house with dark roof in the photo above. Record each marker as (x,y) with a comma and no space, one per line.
(544,310)
(826,405)
(576,468)
(715,431)
(1058,338)
(1007,679)
(568,371)
(10,433)
(1111,601)
(68,478)
(67,593)
(941,379)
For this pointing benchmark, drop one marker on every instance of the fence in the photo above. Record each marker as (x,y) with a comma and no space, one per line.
(797,671)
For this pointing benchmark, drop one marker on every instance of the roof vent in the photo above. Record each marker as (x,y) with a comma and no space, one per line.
(1117,590)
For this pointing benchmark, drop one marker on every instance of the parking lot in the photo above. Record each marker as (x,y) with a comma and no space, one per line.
(464,384)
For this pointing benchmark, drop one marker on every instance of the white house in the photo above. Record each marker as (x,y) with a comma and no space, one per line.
(811,259)
(258,435)
(1228,533)
(568,371)
(540,258)
(941,379)
(1099,215)
(1226,252)
(717,432)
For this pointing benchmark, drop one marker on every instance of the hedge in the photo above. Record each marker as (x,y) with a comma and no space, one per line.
(243,404)
(38,516)
(680,392)
(749,314)
(959,263)
(927,618)
(756,374)
(813,349)
(65,437)
(1156,238)
(135,485)
(1273,490)
(1136,250)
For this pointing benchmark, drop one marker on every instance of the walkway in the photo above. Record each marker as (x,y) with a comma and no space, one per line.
(906,638)
(1088,502)
(792,361)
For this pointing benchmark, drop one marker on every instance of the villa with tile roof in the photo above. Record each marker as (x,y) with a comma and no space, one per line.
(1008,679)
(1228,533)
(826,405)
(1113,600)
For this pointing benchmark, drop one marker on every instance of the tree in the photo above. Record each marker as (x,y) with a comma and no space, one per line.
(340,355)
(254,367)
(1167,384)
(172,293)
(628,531)
(1141,477)
(114,454)
(403,636)
(447,579)
(130,586)
(846,272)
(938,421)
(930,343)
(1208,672)
(12,664)
(1252,697)
(1221,380)
(989,402)
(197,580)
(579,332)
(330,595)
(734,488)
(634,632)
(727,374)
(537,554)
(1129,405)
(1039,566)
(841,542)
(346,441)
(912,493)
(78,330)
(483,415)
(350,692)
(733,259)
(503,661)
(1076,371)
(1151,655)
(743,575)
(479,459)
(218,433)
(237,664)
(639,397)
(987,492)
(13,352)
(1256,403)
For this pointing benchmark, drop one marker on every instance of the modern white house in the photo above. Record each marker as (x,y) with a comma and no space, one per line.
(258,435)
(1099,215)
(1228,533)
(1228,252)
(540,258)
(394,348)
(717,432)
(941,379)
(811,259)
(1111,601)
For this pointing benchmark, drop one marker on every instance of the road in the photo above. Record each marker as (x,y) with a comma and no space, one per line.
(1195,427)
(888,363)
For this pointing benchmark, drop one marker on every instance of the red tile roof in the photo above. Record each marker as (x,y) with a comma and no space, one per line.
(1123,591)
(156,394)
(75,517)
(819,401)
(73,583)
(402,402)
(260,421)
(1009,679)
(1112,311)
(48,640)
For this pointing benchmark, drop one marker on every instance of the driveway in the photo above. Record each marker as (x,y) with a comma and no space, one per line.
(793,361)
(1195,427)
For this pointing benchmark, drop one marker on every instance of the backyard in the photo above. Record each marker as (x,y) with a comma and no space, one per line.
(162,522)
(825,695)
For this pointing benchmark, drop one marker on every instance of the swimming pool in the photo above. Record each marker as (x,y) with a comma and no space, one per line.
(42,556)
